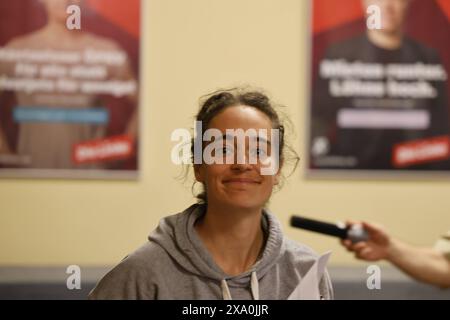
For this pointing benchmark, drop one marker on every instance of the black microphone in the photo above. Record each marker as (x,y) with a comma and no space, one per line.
(355,233)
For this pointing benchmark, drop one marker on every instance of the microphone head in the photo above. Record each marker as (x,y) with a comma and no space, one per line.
(357,233)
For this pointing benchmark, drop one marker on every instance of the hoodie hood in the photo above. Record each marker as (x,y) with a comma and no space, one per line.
(177,236)
(174,264)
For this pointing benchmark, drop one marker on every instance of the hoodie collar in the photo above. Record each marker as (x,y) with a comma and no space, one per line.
(176,234)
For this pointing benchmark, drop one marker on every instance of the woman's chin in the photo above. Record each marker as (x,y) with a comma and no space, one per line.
(244,203)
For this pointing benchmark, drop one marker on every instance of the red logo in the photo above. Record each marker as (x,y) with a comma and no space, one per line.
(421,151)
(113,148)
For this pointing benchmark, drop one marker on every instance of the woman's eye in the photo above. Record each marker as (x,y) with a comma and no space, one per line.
(259,152)
(226,151)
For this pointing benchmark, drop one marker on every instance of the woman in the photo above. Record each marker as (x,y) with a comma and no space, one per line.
(227,246)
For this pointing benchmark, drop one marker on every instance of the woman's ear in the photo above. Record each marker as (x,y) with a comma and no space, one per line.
(276,178)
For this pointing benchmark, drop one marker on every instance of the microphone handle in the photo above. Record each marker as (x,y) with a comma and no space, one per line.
(318,226)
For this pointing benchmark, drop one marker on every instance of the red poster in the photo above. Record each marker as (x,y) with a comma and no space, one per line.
(380,92)
(69,88)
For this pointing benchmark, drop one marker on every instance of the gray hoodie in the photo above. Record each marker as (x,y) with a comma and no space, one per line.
(174,264)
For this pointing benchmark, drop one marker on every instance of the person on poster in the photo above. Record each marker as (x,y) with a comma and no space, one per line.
(64,119)
(377,91)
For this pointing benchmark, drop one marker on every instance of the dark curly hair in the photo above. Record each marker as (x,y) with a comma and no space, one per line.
(213,104)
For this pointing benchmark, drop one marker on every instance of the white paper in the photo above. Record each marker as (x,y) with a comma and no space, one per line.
(308,288)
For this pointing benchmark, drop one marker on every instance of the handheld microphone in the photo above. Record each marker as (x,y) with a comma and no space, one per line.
(355,233)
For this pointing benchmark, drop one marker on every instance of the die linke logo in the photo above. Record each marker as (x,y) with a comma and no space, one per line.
(102,150)
(421,151)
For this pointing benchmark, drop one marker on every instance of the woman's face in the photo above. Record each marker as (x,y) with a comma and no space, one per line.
(238,185)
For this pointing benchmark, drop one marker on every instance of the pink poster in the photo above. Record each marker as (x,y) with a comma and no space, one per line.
(69,88)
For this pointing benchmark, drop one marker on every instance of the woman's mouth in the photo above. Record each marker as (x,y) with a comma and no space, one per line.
(241,181)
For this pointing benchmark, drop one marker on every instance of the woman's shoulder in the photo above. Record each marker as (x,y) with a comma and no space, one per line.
(134,277)
(154,253)
(142,261)
(144,258)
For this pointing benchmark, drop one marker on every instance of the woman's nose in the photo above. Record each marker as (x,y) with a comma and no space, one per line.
(241,166)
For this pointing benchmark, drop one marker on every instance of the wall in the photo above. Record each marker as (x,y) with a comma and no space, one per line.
(190,48)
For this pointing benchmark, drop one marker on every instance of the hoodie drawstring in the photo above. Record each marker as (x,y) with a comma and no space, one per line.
(225,291)
(254,286)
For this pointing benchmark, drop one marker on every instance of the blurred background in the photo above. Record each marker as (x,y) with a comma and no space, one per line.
(188,49)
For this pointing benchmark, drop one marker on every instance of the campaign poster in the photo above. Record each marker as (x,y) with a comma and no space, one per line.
(379,87)
(69,89)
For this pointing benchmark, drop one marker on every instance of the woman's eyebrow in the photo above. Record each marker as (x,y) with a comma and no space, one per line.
(263,140)
(259,138)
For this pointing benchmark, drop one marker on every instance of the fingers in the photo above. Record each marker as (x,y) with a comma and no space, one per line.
(368,226)
(377,233)
(362,251)
(365,254)
(347,244)
(372,227)
(353,247)
(350,223)
(359,246)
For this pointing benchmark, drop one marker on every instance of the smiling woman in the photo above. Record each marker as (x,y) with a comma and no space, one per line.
(228,245)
